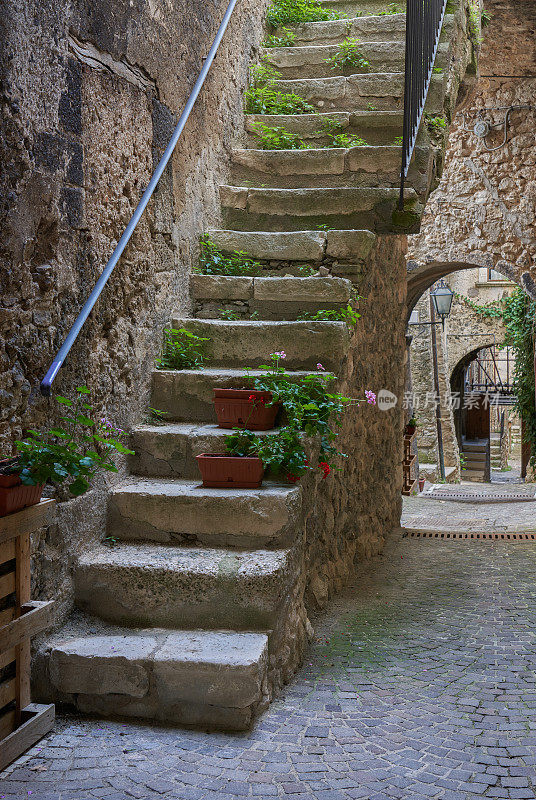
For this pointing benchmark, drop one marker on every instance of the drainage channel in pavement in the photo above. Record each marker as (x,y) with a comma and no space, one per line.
(415,533)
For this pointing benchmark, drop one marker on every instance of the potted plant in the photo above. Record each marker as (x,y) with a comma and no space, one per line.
(422,481)
(221,471)
(14,495)
(67,456)
(411,426)
(245,408)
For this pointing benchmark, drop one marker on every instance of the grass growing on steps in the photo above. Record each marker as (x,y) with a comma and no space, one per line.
(213,261)
(181,350)
(262,97)
(278,138)
(285,39)
(294,12)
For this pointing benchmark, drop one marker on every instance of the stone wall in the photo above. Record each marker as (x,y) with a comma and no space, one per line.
(483,212)
(90,95)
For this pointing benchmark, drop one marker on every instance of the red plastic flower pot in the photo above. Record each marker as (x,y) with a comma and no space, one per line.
(230,472)
(245,408)
(14,496)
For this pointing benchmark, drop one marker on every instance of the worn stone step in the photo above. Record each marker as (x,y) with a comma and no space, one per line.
(384,90)
(187,395)
(367,29)
(312,61)
(474,447)
(475,455)
(305,246)
(169,451)
(216,679)
(184,511)
(271,298)
(351,7)
(370,208)
(374,127)
(475,465)
(249,343)
(183,587)
(331,167)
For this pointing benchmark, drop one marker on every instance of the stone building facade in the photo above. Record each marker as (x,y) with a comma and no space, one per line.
(482,215)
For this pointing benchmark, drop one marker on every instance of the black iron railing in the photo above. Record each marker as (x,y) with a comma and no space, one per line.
(71,337)
(424,19)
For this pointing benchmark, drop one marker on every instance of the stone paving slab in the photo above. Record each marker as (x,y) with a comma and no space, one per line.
(421,683)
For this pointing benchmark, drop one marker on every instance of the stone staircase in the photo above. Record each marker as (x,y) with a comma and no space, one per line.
(474,452)
(198,613)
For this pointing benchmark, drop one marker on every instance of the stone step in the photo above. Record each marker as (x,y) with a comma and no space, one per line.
(249,343)
(141,585)
(473,465)
(310,61)
(313,61)
(351,7)
(367,29)
(472,475)
(331,167)
(374,127)
(474,447)
(370,208)
(183,511)
(384,90)
(475,455)
(216,679)
(304,246)
(187,395)
(269,298)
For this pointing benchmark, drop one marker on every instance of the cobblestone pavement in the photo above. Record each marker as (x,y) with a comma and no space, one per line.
(421,683)
(423,512)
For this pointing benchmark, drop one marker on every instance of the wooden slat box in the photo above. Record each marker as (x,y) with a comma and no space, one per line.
(22,723)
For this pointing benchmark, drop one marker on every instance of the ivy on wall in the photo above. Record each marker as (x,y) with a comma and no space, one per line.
(518,313)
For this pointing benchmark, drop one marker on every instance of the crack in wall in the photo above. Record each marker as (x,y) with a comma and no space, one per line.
(91,56)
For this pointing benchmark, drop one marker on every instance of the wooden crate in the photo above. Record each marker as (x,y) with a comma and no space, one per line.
(22,723)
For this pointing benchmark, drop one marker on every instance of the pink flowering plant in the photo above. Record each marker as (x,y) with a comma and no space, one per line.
(311,407)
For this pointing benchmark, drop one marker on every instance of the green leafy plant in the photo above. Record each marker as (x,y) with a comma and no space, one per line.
(346,314)
(282,453)
(262,96)
(226,313)
(398,141)
(181,349)
(474,23)
(71,454)
(435,125)
(392,8)
(348,55)
(370,107)
(333,130)
(293,12)
(285,38)
(437,70)
(486,18)
(305,270)
(278,138)
(156,416)
(213,261)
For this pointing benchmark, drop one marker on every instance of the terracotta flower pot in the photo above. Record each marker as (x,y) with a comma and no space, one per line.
(230,472)
(410,430)
(14,495)
(422,481)
(235,408)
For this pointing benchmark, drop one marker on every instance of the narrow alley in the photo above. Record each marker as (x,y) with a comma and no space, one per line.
(421,683)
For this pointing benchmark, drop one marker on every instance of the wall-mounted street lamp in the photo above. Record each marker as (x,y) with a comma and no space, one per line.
(442,297)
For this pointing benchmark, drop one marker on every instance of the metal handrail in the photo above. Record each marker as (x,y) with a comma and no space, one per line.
(424,20)
(46,383)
